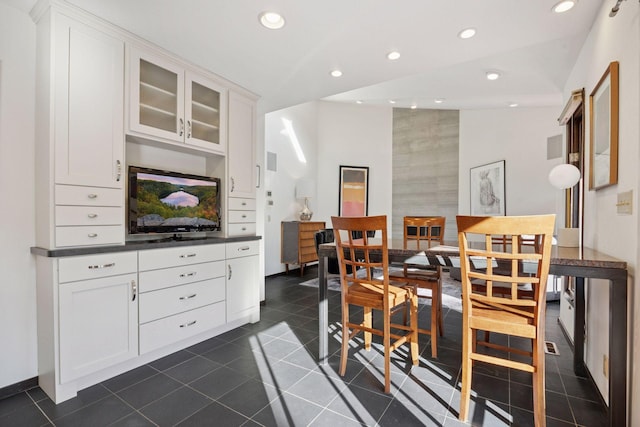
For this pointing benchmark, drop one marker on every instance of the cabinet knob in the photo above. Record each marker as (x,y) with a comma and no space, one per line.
(92,215)
(92,196)
(92,235)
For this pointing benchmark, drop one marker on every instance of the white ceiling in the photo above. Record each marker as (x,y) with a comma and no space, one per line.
(531,46)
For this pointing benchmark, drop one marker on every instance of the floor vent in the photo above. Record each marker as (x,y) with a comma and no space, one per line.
(551,348)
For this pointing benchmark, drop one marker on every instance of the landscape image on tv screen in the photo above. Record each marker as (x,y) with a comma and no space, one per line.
(171,202)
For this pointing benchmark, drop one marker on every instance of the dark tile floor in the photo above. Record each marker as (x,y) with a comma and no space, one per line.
(266,374)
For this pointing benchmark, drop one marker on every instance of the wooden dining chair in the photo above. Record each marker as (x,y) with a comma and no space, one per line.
(491,309)
(418,272)
(365,282)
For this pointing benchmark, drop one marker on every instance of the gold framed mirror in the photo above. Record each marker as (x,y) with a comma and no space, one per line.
(603,122)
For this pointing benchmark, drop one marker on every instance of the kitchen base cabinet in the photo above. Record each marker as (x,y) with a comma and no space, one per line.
(243,295)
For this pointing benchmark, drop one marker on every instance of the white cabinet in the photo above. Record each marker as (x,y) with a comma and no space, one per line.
(99,316)
(167,101)
(243,294)
(80,133)
(89,105)
(242,147)
(182,293)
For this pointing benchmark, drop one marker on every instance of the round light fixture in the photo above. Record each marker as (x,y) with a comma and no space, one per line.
(563,6)
(391,101)
(467,33)
(564,176)
(513,104)
(414,106)
(493,75)
(359,101)
(271,20)
(392,56)
(336,73)
(438,100)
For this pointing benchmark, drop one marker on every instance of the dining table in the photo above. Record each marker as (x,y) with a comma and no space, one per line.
(580,263)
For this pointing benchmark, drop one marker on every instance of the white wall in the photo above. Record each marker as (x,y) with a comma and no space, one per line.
(518,136)
(330,134)
(17,229)
(613,39)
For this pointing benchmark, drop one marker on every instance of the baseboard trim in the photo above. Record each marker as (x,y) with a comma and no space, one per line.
(16,388)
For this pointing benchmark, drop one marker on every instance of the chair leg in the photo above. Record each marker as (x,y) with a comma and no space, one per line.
(440,321)
(414,329)
(344,353)
(434,322)
(539,405)
(467,366)
(386,337)
(367,321)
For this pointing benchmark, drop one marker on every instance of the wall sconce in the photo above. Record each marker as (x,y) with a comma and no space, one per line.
(305,189)
(562,177)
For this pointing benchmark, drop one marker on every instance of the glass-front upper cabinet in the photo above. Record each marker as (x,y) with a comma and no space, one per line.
(173,104)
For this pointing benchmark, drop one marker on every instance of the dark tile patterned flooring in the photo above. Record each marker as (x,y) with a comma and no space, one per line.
(267,374)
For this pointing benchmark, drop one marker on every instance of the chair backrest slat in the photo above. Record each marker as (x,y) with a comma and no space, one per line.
(428,229)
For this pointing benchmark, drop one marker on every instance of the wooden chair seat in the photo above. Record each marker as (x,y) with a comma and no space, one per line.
(354,240)
(508,297)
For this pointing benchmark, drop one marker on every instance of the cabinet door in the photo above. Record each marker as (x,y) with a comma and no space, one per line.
(89,106)
(205,110)
(241,150)
(156,96)
(242,286)
(98,324)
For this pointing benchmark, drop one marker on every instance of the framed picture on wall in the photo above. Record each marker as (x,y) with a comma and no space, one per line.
(487,189)
(353,197)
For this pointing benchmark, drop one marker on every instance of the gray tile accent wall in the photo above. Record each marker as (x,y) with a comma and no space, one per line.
(425,166)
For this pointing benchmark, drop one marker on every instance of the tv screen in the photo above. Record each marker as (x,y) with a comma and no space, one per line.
(172,202)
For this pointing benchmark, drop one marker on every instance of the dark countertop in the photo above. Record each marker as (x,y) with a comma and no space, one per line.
(138,245)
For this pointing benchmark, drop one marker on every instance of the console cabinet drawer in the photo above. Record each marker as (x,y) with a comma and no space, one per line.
(236,217)
(89,235)
(171,329)
(172,257)
(89,215)
(240,249)
(240,204)
(247,229)
(178,299)
(77,195)
(164,278)
(95,266)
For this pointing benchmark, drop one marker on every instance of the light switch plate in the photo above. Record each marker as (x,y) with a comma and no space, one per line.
(624,203)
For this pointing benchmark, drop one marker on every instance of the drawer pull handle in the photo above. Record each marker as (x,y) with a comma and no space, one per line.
(92,196)
(188,297)
(244,216)
(244,203)
(92,235)
(233,185)
(190,274)
(181,127)
(244,228)
(134,290)
(95,267)
(187,255)
(230,272)
(188,128)
(118,170)
(92,215)
(186,325)
(244,248)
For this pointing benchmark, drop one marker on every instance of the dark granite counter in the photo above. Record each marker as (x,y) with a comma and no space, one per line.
(138,245)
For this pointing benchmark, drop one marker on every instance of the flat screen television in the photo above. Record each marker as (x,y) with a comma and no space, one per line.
(172,202)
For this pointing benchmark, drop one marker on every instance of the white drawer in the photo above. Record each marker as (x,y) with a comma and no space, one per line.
(88,196)
(89,215)
(236,217)
(185,255)
(178,299)
(89,235)
(153,280)
(171,329)
(247,229)
(238,204)
(242,249)
(95,266)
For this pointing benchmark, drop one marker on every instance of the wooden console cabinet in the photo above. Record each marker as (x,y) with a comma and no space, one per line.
(298,243)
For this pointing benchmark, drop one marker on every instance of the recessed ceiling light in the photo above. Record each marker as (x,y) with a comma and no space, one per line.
(513,104)
(391,101)
(336,73)
(358,101)
(392,56)
(493,75)
(564,6)
(467,33)
(438,100)
(271,20)
(414,106)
